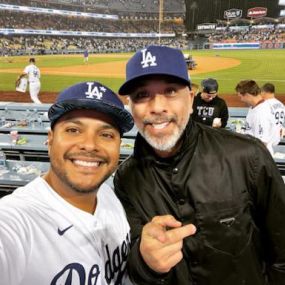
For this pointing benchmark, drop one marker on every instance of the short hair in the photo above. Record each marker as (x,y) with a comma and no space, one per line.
(268,87)
(248,86)
(32,60)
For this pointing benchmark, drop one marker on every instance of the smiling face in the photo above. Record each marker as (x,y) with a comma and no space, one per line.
(84,149)
(161,109)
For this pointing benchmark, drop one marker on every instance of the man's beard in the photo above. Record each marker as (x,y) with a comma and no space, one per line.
(166,142)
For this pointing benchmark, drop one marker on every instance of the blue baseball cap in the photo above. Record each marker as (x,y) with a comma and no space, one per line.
(155,60)
(95,96)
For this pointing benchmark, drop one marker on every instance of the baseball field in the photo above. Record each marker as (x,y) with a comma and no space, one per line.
(227,66)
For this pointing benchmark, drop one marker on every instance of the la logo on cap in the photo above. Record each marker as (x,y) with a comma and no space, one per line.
(148,59)
(94,91)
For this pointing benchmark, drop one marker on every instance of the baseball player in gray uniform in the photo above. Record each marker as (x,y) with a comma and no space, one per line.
(33,75)
(68,227)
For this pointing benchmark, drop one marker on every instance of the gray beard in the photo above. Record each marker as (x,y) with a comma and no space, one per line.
(165,143)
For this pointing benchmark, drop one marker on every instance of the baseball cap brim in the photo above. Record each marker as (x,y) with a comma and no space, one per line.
(131,84)
(206,90)
(122,118)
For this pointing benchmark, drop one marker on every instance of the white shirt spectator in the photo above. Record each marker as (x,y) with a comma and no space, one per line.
(261,124)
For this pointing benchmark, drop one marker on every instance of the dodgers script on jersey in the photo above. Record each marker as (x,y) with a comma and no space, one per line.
(55,243)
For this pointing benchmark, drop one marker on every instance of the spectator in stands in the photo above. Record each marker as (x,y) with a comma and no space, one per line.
(184,175)
(277,107)
(57,44)
(30,20)
(259,121)
(208,108)
(68,225)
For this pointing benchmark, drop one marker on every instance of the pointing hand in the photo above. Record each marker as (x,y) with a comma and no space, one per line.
(162,241)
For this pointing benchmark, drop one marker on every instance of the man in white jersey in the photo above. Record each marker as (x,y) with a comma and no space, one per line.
(259,121)
(33,75)
(68,227)
(277,107)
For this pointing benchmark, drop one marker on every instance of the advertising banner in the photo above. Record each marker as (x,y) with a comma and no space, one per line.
(82,34)
(257,12)
(232,14)
(56,11)
(206,27)
(236,46)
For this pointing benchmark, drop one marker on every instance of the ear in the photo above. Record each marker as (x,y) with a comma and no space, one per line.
(50,140)
(191,95)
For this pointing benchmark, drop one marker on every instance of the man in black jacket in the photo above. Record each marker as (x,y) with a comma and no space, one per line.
(205,205)
(208,107)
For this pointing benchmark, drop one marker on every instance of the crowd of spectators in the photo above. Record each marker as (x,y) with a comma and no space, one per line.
(132,23)
(272,34)
(19,20)
(58,45)
(24,44)
(102,6)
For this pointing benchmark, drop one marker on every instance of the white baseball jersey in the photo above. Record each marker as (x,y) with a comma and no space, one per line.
(45,240)
(260,123)
(34,82)
(33,73)
(278,110)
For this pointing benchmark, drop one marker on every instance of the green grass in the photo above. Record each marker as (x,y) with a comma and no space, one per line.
(49,84)
(260,65)
(54,61)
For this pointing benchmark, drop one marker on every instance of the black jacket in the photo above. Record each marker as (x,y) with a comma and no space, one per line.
(205,112)
(229,187)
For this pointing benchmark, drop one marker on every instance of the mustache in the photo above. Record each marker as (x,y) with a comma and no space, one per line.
(157,119)
(86,154)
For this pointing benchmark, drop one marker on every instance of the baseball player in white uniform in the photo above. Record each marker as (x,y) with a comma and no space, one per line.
(259,121)
(68,227)
(33,74)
